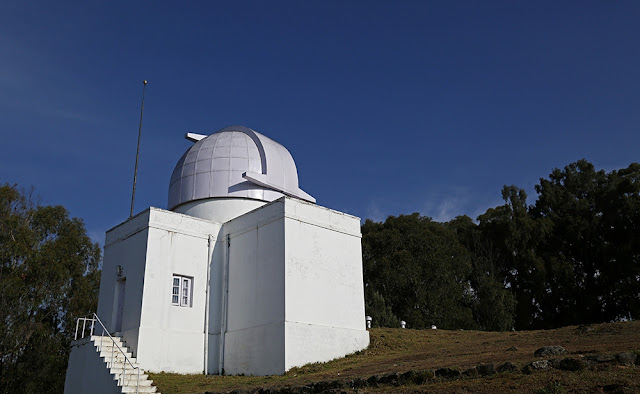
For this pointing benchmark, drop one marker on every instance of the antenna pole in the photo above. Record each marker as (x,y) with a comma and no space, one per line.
(135,171)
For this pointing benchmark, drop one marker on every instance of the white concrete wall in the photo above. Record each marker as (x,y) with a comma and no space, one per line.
(311,343)
(215,304)
(125,245)
(324,286)
(255,351)
(87,371)
(254,338)
(172,337)
(295,288)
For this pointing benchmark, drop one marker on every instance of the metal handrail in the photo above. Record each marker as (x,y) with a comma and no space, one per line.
(93,318)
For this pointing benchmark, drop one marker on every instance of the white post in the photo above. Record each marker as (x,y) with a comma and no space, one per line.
(369,319)
(77,325)
(206,304)
(223,309)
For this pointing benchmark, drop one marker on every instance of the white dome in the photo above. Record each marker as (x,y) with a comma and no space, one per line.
(234,162)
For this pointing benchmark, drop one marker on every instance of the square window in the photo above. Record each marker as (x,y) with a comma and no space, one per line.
(181,291)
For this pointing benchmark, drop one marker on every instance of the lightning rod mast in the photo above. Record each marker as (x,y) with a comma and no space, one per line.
(135,171)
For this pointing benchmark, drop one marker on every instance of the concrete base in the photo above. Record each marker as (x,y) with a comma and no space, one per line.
(307,343)
(87,372)
(163,351)
(256,351)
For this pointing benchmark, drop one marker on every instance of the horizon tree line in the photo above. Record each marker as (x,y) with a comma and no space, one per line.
(572,257)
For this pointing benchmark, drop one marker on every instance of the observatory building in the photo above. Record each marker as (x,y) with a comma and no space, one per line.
(243,274)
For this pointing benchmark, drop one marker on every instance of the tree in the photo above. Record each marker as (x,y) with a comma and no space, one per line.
(420,269)
(620,273)
(571,258)
(514,237)
(494,303)
(49,276)
(376,307)
(574,256)
(592,252)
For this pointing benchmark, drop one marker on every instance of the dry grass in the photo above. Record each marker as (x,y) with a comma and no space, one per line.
(396,350)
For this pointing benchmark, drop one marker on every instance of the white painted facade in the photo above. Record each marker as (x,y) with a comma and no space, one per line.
(293,271)
(273,283)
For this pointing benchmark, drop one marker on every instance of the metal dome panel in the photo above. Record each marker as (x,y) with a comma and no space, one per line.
(234,162)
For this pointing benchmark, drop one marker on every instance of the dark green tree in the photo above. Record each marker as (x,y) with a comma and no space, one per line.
(420,269)
(620,273)
(494,303)
(571,258)
(574,256)
(514,237)
(376,307)
(49,276)
(592,251)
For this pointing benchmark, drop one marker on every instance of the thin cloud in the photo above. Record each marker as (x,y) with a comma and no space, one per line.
(449,209)
(442,207)
(374,212)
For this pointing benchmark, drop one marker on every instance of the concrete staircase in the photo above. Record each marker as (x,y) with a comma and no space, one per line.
(123,373)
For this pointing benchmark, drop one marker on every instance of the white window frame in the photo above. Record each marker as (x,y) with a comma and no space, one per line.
(184,288)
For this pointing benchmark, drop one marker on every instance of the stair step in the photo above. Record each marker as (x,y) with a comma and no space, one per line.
(133,382)
(109,346)
(117,366)
(105,348)
(141,389)
(106,339)
(117,354)
(108,349)
(120,360)
(117,369)
(133,377)
(107,355)
(116,361)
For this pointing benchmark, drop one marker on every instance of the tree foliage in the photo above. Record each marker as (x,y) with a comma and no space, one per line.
(592,249)
(423,283)
(377,308)
(573,257)
(494,304)
(48,277)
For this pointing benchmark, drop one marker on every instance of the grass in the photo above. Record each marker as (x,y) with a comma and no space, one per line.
(397,350)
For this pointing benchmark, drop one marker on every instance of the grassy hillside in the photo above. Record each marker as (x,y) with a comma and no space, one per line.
(591,365)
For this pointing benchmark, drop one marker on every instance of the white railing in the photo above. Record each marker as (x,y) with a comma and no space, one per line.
(93,318)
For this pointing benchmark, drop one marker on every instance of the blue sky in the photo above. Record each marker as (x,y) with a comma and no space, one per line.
(387,107)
